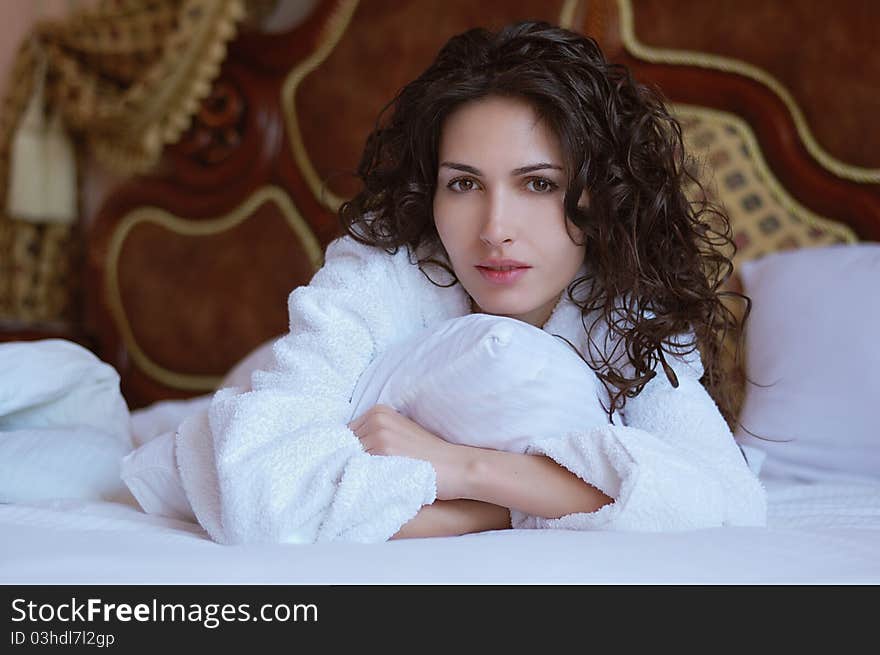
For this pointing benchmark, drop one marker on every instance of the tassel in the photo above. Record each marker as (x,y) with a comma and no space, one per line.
(60,176)
(42,164)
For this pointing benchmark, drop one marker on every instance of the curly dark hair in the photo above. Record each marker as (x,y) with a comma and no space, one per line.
(657,258)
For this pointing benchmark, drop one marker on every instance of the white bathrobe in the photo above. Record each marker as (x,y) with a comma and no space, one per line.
(278,463)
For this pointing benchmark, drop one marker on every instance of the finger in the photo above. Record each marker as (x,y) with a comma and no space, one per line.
(363,417)
(366,444)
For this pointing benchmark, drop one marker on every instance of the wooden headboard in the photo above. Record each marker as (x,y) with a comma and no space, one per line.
(189,269)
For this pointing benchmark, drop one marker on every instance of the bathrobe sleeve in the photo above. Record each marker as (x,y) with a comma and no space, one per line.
(673,465)
(277,463)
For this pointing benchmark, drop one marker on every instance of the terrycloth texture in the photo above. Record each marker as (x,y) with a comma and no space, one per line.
(673,466)
(277,463)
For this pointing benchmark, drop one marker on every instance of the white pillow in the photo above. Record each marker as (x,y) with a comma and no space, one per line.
(485,381)
(64,425)
(60,462)
(55,383)
(813,335)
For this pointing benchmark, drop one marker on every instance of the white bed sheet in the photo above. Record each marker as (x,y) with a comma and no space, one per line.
(826,533)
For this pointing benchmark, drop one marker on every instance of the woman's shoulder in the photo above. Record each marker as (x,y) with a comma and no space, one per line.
(347,260)
(354,264)
(409,266)
(347,247)
(405,282)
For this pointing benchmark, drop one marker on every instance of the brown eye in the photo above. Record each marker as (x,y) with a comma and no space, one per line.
(464,184)
(541,185)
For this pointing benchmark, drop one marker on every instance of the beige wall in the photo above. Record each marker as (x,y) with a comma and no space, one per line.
(16,19)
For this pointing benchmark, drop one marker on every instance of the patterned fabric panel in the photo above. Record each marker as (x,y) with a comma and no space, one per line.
(42,287)
(763,217)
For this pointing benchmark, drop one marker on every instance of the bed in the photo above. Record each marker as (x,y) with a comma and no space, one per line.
(188,270)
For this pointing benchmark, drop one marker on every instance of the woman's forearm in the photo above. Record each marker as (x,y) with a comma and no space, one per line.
(446,518)
(533,484)
(490,482)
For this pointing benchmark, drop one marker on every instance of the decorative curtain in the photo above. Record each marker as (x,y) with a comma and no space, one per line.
(121,81)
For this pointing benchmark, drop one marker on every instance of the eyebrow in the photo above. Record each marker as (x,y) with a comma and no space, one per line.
(517,171)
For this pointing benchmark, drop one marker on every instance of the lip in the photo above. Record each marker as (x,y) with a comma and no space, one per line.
(503,262)
(502,277)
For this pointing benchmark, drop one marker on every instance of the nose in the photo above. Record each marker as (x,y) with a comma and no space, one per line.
(498,226)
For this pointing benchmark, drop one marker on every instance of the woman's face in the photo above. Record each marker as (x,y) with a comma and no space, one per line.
(500,189)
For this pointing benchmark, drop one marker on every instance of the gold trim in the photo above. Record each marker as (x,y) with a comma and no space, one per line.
(130,133)
(704,60)
(188,227)
(785,199)
(329,38)
(566,16)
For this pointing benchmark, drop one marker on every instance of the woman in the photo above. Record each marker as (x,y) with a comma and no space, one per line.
(539,179)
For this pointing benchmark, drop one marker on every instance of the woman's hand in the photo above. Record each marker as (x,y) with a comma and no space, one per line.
(384,431)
